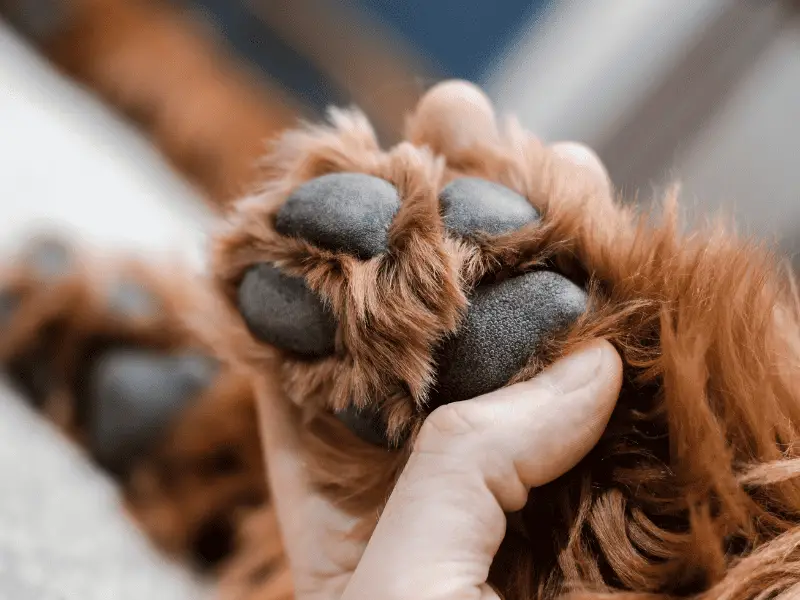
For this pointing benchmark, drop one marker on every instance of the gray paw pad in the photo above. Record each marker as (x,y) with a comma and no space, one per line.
(135,395)
(348,212)
(9,303)
(131,300)
(282,311)
(504,325)
(366,423)
(48,258)
(470,205)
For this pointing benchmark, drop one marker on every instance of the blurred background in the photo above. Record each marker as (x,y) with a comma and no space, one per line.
(130,120)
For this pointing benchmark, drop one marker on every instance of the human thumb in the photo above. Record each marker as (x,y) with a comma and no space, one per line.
(475,461)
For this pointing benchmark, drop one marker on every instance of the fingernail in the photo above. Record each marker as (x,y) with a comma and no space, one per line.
(575,371)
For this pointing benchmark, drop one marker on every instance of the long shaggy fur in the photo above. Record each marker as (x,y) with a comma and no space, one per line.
(693,490)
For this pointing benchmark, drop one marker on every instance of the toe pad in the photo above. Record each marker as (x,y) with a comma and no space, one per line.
(282,311)
(48,258)
(471,205)
(366,423)
(347,212)
(130,299)
(134,395)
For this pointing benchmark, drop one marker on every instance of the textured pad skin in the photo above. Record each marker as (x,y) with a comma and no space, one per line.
(503,327)
(134,395)
(348,212)
(471,205)
(282,311)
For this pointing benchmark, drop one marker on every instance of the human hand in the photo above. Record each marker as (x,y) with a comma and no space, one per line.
(472,463)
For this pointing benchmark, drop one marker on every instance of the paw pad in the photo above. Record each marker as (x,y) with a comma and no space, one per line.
(48,258)
(344,212)
(133,395)
(504,325)
(366,423)
(282,311)
(131,300)
(471,205)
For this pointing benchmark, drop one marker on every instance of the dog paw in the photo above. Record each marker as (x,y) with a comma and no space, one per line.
(104,349)
(102,355)
(505,319)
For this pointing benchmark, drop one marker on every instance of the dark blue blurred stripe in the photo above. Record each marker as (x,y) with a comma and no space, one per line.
(462,37)
(252,40)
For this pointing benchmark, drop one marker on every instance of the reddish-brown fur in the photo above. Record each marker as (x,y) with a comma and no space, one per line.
(692,491)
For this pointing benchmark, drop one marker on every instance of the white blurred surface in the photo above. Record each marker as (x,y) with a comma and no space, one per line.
(68,165)
(585,70)
(62,533)
(745,158)
(578,71)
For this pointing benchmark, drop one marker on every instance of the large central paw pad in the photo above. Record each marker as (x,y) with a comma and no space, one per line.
(504,326)
(506,319)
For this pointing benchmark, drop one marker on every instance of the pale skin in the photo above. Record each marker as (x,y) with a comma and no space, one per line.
(472,463)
